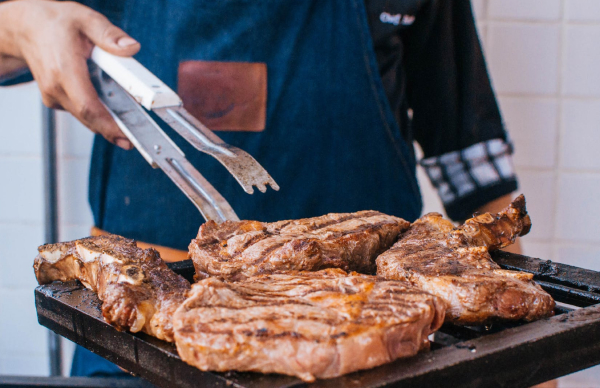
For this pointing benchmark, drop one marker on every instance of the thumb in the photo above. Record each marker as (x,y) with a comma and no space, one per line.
(109,37)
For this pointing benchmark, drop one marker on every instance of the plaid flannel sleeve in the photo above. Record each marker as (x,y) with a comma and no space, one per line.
(469,178)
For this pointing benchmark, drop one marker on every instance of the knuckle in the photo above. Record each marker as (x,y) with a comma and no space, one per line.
(85,112)
(84,17)
(50,90)
(55,74)
(110,138)
(70,12)
(110,32)
(75,9)
(70,4)
(49,102)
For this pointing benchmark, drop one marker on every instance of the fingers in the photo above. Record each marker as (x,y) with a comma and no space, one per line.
(74,92)
(51,96)
(107,36)
(84,104)
(77,95)
(56,48)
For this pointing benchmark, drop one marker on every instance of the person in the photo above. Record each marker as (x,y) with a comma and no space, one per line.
(328,95)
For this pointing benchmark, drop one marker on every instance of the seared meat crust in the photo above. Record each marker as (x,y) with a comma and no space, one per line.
(496,231)
(350,241)
(455,264)
(138,290)
(307,324)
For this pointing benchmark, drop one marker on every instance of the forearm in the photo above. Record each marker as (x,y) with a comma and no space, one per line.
(496,205)
(11,58)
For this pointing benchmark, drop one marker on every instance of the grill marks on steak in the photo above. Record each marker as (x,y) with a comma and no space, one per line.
(350,241)
(138,290)
(455,264)
(308,324)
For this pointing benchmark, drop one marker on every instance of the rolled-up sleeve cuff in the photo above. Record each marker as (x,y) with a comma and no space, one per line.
(469,178)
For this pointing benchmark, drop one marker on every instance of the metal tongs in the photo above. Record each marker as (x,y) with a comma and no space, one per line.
(126,88)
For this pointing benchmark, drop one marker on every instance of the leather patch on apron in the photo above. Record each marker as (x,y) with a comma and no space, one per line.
(225,96)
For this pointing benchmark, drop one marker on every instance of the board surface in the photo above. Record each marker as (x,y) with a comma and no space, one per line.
(499,355)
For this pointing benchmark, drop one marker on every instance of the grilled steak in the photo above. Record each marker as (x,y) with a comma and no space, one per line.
(350,241)
(454,264)
(138,290)
(307,324)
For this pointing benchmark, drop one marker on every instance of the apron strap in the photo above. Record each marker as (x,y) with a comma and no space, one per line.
(169,255)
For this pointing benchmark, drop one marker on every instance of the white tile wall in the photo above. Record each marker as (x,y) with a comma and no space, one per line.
(581,134)
(18,248)
(20,131)
(538,187)
(533,127)
(580,255)
(26,203)
(23,342)
(582,60)
(582,10)
(73,198)
(544,59)
(524,9)
(74,140)
(536,248)
(14,364)
(577,216)
(431,200)
(479,9)
(523,58)
(74,232)
(19,337)
(588,378)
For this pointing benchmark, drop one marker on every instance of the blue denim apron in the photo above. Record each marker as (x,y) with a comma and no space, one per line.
(331,140)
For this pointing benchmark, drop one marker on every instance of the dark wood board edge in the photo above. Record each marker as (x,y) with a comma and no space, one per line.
(70,382)
(568,275)
(518,357)
(73,312)
(442,367)
(121,348)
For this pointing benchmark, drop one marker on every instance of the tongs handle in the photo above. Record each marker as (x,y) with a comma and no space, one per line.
(151,93)
(158,149)
(138,81)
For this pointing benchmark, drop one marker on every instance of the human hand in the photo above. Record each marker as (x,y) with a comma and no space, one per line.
(55,40)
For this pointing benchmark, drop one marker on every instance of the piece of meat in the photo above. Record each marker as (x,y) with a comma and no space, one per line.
(306,324)
(454,264)
(350,241)
(496,231)
(138,290)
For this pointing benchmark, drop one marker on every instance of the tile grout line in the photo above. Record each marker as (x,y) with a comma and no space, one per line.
(539,22)
(543,97)
(559,132)
(563,242)
(563,170)
(39,156)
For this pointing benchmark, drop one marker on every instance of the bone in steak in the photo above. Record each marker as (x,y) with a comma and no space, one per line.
(350,241)
(138,290)
(306,324)
(454,264)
